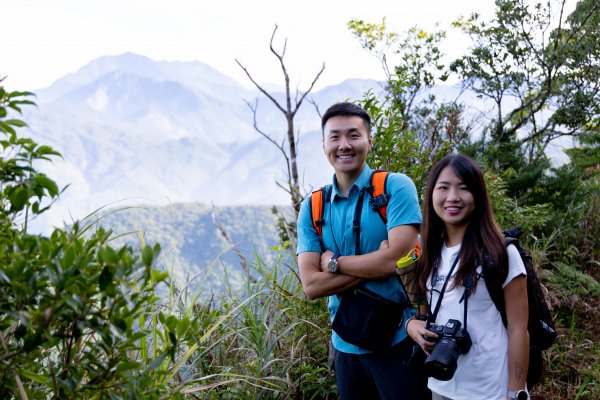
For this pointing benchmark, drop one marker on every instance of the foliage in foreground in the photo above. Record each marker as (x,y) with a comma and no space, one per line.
(81,319)
(72,310)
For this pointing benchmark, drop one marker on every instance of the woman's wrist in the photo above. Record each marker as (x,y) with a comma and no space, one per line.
(408,322)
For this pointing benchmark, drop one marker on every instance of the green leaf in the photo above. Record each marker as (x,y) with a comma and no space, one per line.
(158,275)
(75,303)
(68,257)
(105,278)
(4,277)
(128,365)
(16,122)
(33,376)
(18,198)
(157,361)
(147,256)
(46,183)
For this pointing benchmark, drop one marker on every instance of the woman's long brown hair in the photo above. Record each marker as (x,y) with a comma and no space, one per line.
(482,236)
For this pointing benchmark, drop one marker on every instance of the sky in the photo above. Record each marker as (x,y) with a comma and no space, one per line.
(43,40)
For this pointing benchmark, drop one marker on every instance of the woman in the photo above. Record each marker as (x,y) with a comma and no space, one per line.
(459,228)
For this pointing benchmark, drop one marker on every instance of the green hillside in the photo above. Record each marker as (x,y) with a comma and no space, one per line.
(192,239)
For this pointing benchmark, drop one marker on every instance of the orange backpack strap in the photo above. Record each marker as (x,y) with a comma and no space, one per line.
(316,209)
(379,198)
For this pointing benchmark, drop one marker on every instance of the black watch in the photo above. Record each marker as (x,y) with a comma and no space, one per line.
(518,395)
(332,265)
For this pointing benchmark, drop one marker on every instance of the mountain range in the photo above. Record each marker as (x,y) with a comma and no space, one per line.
(132,130)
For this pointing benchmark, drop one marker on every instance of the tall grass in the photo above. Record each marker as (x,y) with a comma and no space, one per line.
(260,340)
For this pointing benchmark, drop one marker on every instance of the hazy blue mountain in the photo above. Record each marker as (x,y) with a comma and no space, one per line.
(137,131)
(195,75)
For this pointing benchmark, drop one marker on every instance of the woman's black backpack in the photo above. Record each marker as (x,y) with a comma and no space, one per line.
(542,333)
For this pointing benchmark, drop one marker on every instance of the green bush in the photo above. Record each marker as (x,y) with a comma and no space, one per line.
(74,311)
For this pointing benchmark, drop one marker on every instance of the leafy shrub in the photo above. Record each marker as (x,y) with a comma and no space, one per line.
(72,309)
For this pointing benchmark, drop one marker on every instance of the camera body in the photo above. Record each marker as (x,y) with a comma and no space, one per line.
(453,341)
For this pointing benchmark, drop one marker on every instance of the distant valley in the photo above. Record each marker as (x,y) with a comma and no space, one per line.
(193,246)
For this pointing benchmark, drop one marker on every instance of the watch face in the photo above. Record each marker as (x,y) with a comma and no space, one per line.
(332,266)
(522,395)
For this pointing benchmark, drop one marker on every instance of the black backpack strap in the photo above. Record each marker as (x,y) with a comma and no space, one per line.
(493,284)
(357,217)
(488,267)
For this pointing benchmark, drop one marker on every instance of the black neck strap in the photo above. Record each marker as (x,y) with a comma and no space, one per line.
(467,285)
(431,317)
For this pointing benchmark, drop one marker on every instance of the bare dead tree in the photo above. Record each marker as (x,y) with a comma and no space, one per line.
(288,146)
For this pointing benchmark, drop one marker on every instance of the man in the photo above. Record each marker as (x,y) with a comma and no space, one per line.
(359,373)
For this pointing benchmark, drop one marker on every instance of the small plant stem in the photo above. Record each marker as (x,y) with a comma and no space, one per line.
(22,392)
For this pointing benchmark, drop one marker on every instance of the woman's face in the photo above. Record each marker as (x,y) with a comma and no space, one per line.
(452,201)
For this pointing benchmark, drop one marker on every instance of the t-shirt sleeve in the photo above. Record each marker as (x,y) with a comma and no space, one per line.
(515,265)
(403,208)
(308,239)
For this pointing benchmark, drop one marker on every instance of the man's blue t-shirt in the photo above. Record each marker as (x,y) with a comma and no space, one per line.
(403,209)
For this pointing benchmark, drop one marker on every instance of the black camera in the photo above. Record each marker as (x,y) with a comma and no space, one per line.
(453,341)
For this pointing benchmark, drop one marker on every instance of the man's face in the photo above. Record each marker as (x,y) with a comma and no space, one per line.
(347,143)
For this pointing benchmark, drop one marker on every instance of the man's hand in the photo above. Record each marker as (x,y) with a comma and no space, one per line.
(325,257)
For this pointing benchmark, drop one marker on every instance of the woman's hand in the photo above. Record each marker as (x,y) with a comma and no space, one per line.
(325,257)
(423,337)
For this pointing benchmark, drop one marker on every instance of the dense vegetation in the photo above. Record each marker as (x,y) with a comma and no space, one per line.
(86,314)
(537,73)
(82,316)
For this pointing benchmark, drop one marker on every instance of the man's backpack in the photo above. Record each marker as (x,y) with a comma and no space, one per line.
(541,329)
(379,200)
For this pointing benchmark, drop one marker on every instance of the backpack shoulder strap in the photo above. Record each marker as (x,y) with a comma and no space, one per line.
(316,210)
(493,283)
(494,286)
(318,198)
(379,198)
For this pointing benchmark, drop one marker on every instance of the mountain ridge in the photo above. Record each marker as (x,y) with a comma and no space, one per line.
(129,127)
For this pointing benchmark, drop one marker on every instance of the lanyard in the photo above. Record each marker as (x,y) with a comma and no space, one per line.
(467,285)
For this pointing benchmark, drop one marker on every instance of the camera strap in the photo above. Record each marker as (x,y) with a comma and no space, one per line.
(467,285)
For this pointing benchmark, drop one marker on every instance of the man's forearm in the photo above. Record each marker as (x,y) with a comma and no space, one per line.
(381,263)
(326,283)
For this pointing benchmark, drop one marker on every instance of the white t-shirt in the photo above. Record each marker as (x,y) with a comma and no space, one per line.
(482,373)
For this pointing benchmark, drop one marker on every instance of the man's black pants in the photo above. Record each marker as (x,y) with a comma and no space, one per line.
(384,375)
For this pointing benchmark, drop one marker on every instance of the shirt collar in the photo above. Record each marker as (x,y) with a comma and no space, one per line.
(364,179)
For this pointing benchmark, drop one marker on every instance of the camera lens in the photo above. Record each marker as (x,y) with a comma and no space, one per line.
(442,362)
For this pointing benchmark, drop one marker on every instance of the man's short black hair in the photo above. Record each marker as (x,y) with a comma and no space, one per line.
(347,110)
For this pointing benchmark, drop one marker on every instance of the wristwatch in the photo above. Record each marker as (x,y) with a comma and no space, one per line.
(518,395)
(332,265)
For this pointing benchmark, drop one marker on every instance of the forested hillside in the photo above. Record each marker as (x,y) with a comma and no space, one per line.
(193,241)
